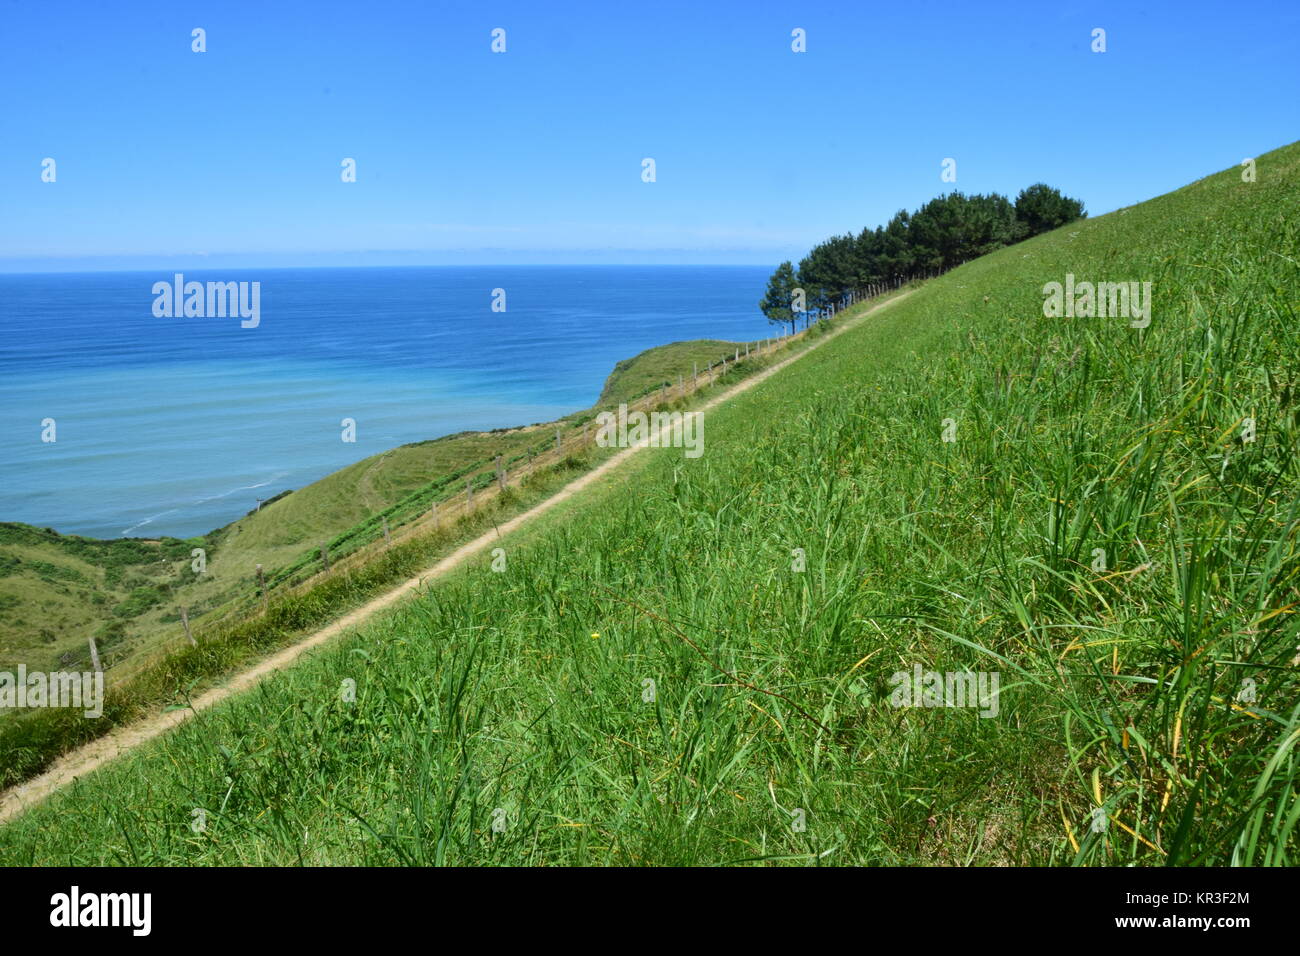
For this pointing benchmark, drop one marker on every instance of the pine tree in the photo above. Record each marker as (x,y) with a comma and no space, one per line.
(776,304)
(1040,208)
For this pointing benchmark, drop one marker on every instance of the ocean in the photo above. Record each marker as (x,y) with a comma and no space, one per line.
(176,426)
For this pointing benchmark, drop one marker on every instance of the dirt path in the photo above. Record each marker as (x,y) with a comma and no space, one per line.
(95,754)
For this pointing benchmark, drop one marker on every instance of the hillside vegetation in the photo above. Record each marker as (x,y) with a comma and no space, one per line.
(58,590)
(942,234)
(151,665)
(654,367)
(651,680)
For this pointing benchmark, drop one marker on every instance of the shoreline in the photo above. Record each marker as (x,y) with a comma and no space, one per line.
(237,516)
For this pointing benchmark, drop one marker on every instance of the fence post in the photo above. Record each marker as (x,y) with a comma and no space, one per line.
(325,555)
(94,655)
(185,619)
(681,390)
(559,444)
(261,583)
(501,475)
(697,375)
(433,510)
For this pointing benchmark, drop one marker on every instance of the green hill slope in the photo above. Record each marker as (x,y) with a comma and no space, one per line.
(58,590)
(652,368)
(653,679)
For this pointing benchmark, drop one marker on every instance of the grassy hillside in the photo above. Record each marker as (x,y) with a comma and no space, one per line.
(58,590)
(151,665)
(510,717)
(634,377)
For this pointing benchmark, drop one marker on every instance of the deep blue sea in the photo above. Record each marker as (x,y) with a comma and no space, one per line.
(176,426)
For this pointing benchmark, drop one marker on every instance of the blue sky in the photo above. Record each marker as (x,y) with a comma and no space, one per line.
(166,157)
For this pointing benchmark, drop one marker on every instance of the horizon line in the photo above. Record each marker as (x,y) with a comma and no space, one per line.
(422,265)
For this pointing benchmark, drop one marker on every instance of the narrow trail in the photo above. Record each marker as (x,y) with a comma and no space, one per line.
(91,756)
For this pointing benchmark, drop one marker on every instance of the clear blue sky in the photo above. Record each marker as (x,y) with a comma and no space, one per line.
(535,155)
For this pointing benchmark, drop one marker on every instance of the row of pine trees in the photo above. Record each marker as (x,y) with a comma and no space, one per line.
(942,234)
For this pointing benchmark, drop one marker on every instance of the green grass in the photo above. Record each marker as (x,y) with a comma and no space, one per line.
(654,367)
(145,677)
(173,675)
(490,699)
(61,589)
(58,590)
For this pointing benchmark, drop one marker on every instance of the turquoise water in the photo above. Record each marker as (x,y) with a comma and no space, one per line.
(176,426)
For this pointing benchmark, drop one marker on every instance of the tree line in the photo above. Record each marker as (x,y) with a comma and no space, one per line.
(942,234)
